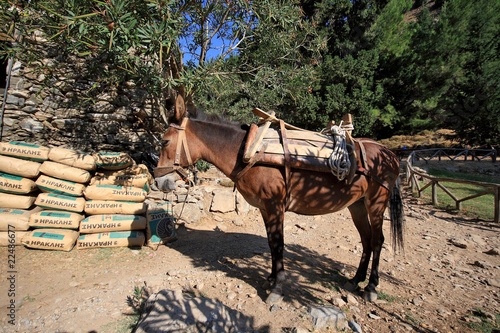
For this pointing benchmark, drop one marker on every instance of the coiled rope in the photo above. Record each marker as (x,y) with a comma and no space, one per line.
(339,159)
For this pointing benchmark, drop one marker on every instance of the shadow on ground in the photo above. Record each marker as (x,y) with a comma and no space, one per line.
(246,257)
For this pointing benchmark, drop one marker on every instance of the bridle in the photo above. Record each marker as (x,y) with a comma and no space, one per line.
(174,165)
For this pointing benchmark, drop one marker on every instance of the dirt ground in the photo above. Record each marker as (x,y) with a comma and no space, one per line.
(447,279)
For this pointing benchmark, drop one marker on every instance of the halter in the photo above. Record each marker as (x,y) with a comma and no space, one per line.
(175,164)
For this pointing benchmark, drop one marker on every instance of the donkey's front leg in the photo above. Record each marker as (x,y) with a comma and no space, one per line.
(274,218)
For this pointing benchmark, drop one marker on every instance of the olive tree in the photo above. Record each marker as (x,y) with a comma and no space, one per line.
(164,46)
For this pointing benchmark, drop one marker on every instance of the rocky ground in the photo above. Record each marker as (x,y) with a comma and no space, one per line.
(446,281)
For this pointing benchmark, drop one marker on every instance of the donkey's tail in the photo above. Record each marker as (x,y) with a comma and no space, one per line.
(397,217)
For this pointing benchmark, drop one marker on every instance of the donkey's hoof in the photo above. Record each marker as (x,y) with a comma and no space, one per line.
(274,298)
(267,285)
(351,286)
(370,295)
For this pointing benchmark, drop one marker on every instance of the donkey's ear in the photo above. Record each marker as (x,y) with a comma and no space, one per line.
(180,109)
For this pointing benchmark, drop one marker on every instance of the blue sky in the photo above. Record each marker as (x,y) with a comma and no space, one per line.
(213,52)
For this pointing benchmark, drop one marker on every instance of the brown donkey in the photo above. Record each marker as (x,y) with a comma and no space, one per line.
(309,193)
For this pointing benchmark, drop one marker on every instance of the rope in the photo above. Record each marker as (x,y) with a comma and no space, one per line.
(339,159)
(190,182)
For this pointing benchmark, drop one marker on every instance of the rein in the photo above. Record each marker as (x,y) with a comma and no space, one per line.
(181,144)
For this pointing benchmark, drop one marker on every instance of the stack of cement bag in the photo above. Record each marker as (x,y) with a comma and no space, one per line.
(62,181)
(14,225)
(109,211)
(19,167)
(115,203)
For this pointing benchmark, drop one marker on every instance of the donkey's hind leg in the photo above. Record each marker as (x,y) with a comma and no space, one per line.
(360,218)
(376,207)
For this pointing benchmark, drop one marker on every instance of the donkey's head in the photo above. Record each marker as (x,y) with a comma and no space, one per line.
(174,156)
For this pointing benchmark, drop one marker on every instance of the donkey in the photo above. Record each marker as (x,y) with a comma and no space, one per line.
(306,192)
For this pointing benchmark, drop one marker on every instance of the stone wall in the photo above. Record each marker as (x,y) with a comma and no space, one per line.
(56,104)
(213,197)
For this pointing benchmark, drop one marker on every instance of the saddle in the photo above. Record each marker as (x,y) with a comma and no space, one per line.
(293,147)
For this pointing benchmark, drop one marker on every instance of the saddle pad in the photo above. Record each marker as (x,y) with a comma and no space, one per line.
(308,150)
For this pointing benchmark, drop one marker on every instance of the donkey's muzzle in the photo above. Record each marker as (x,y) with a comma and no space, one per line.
(167,182)
(162,171)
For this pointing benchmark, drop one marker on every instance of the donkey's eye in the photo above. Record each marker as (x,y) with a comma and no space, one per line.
(165,143)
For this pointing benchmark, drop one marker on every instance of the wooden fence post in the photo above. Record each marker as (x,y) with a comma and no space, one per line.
(497,204)
(434,193)
(413,183)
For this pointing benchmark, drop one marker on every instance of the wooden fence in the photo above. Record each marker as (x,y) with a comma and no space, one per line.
(435,182)
(450,153)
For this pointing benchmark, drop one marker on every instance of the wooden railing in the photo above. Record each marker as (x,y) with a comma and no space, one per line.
(450,153)
(435,182)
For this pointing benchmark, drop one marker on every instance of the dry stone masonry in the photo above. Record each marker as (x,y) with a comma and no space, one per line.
(61,106)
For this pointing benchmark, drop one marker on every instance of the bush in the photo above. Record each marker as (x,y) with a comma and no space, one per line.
(202,166)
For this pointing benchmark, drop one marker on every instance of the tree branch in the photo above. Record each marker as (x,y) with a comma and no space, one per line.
(204,47)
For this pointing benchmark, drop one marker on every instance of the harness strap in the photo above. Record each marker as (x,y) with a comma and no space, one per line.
(287,159)
(363,153)
(362,169)
(375,177)
(182,143)
(250,164)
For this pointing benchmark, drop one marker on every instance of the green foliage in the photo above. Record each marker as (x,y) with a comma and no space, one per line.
(328,71)
(465,176)
(410,317)
(392,75)
(270,73)
(348,67)
(446,78)
(487,325)
(310,62)
(474,97)
(202,166)
(392,34)
(388,298)
(138,299)
(149,41)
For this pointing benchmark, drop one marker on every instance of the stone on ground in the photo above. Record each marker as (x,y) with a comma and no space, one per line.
(322,316)
(172,311)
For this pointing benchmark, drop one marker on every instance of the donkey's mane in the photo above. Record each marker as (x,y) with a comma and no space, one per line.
(201,115)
